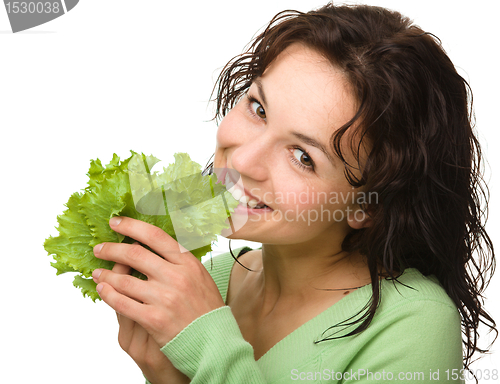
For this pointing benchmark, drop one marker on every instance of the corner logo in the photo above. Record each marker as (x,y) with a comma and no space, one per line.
(28,14)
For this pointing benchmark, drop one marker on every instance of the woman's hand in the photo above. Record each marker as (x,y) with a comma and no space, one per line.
(178,290)
(144,350)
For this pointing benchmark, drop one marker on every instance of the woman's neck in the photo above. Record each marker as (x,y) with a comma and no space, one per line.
(295,274)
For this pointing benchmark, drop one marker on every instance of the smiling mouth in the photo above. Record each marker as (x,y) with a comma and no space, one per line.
(250,202)
(243,196)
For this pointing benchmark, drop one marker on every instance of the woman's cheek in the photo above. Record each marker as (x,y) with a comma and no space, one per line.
(297,200)
(312,206)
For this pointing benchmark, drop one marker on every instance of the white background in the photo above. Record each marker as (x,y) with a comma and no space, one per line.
(116,75)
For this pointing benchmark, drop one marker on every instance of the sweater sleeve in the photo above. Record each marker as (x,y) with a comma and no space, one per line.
(212,350)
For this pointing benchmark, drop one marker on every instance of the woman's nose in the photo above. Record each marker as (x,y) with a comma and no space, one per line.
(252,158)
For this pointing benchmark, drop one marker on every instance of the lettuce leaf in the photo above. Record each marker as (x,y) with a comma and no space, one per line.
(191,208)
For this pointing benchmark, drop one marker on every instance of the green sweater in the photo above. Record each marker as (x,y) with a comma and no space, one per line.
(415,336)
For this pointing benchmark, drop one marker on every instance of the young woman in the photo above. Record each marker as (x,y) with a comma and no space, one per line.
(358,168)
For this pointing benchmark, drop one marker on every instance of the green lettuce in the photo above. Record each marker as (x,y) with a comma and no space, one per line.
(191,207)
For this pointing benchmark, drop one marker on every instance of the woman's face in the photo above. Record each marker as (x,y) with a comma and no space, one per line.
(278,139)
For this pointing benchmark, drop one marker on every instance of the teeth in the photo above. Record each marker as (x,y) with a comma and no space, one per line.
(252,203)
(236,194)
(244,199)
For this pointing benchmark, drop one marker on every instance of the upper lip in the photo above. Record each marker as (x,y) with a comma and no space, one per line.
(252,197)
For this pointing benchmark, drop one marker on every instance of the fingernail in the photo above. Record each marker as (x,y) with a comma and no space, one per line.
(114,221)
(96,274)
(99,288)
(97,249)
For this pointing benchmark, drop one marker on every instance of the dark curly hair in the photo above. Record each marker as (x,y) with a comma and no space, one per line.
(424,161)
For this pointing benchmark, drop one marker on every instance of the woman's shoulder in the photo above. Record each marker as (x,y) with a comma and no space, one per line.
(412,290)
(416,325)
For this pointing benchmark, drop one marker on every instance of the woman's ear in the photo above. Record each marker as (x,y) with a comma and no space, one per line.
(357,218)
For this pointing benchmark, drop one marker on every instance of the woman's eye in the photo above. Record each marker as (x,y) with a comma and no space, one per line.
(302,157)
(258,109)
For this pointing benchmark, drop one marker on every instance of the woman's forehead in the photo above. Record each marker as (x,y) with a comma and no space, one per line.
(303,87)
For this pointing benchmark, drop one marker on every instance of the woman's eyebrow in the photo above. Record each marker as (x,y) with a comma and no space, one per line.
(260,88)
(313,142)
(304,138)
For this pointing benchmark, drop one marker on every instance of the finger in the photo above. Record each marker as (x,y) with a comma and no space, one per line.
(131,334)
(157,239)
(125,270)
(139,337)
(121,269)
(127,285)
(132,255)
(124,322)
(122,304)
